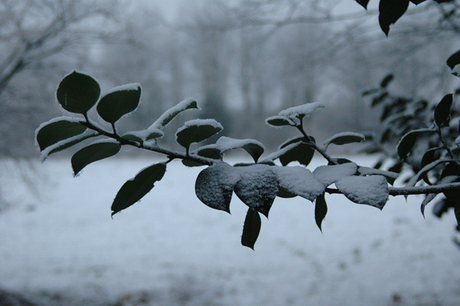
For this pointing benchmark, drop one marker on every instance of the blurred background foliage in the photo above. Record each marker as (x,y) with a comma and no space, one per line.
(243,60)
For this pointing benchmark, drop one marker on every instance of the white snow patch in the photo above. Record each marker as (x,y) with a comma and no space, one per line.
(173,246)
(181,106)
(330,174)
(125,87)
(226,143)
(303,110)
(300,181)
(371,190)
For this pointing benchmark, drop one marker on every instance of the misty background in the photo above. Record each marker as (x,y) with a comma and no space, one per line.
(242,60)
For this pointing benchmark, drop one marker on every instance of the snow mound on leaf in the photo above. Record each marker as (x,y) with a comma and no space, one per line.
(370,190)
(303,110)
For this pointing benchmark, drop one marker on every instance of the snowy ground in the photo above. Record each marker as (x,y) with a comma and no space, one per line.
(170,249)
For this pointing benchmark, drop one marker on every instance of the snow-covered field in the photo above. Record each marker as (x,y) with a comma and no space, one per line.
(170,249)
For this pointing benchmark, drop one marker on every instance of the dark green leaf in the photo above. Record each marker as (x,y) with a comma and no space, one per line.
(197,130)
(257,187)
(214,186)
(453,61)
(51,133)
(296,150)
(208,152)
(320,210)
(379,99)
(344,138)
(390,11)
(370,92)
(119,102)
(428,199)
(442,110)
(386,80)
(251,228)
(136,188)
(279,121)
(171,113)
(67,144)
(92,153)
(408,141)
(78,92)
(363,3)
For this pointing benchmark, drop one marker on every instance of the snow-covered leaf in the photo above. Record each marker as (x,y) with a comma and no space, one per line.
(143,135)
(257,187)
(92,153)
(389,175)
(344,138)
(214,186)
(297,113)
(442,110)
(296,150)
(279,121)
(135,189)
(119,102)
(330,174)
(251,228)
(78,92)
(369,190)
(299,181)
(172,112)
(320,210)
(56,130)
(197,130)
(253,147)
(205,151)
(66,143)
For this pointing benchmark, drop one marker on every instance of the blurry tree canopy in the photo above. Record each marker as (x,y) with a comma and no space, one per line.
(40,40)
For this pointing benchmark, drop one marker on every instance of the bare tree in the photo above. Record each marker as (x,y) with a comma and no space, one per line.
(40,40)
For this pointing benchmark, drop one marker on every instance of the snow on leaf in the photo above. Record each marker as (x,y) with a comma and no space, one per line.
(391,176)
(369,190)
(297,113)
(253,147)
(171,113)
(197,130)
(251,228)
(297,150)
(344,138)
(257,187)
(66,143)
(143,135)
(278,121)
(214,186)
(56,130)
(300,181)
(331,174)
(119,101)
